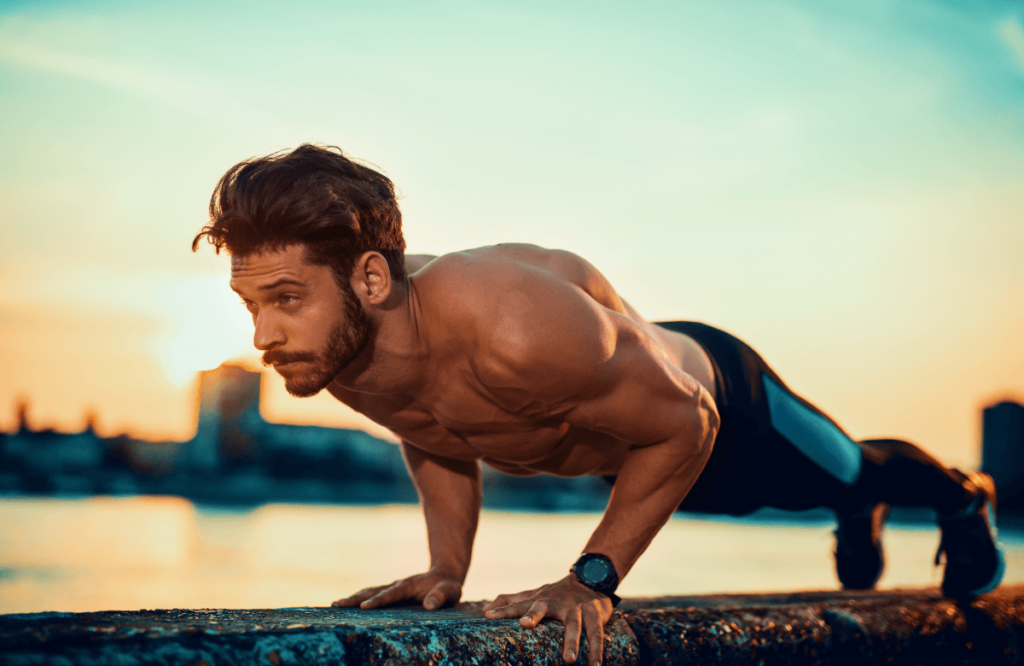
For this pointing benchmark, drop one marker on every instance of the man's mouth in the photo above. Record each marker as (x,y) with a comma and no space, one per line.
(281,359)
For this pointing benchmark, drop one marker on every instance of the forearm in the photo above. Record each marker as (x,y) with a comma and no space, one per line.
(651,483)
(649,487)
(450,493)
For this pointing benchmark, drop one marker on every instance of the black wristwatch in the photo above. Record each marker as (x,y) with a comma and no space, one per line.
(598,573)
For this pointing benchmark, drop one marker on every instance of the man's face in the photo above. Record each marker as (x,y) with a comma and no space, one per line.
(309,328)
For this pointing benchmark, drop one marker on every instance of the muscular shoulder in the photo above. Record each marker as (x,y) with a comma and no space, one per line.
(497,286)
(483,272)
(535,331)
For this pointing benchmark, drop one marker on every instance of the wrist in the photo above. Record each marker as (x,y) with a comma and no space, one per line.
(597,572)
(447,570)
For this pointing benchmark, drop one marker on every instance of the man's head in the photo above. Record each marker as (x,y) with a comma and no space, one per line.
(303,228)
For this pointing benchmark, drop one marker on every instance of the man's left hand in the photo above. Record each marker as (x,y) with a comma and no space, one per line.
(574,605)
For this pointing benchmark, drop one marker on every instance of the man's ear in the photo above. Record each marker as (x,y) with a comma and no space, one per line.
(371,278)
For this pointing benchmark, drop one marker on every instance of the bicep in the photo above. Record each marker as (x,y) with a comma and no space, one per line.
(640,397)
(555,353)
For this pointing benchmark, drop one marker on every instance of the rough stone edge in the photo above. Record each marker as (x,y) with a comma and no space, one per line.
(897,627)
(834,628)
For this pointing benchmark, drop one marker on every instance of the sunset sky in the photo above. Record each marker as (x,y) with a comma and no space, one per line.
(839,183)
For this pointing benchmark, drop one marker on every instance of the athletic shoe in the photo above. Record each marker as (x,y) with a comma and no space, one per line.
(974,559)
(859,556)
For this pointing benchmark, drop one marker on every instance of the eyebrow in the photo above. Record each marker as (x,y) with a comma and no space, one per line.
(280,283)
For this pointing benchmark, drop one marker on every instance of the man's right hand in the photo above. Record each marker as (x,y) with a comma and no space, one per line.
(432,589)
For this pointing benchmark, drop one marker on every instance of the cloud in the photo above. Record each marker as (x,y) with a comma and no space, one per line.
(187,94)
(1013,36)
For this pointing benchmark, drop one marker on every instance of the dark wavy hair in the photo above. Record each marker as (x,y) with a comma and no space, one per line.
(315,196)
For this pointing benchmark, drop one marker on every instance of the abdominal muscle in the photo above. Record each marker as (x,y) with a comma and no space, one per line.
(580,452)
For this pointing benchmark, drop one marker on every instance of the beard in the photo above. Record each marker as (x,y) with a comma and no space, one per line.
(344,344)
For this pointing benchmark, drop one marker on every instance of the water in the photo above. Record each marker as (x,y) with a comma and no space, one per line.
(162,552)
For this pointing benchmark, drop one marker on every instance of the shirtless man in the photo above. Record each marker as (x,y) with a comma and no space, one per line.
(528,360)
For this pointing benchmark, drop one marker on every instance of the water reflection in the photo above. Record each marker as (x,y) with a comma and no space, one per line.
(160,552)
(104,532)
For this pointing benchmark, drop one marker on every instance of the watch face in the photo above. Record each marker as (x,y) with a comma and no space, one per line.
(596,571)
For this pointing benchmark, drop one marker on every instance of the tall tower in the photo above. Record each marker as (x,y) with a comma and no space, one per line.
(1002,452)
(229,418)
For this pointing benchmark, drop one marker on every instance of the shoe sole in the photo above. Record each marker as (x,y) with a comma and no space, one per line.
(996,578)
(879,513)
(986,485)
(992,584)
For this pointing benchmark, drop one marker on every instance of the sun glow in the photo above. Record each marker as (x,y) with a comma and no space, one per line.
(125,345)
(204,326)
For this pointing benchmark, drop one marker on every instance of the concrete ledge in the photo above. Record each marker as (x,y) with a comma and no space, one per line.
(893,627)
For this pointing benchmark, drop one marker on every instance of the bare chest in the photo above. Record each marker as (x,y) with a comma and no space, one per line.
(518,444)
(493,431)
(457,417)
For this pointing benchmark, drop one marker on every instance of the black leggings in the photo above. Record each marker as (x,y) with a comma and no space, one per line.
(753,465)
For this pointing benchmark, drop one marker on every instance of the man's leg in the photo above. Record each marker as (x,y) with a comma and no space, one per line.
(898,473)
(752,465)
(779,450)
(902,474)
(893,472)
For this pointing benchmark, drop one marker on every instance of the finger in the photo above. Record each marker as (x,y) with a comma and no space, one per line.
(571,643)
(388,595)
(534,615)
(442,592)
(595,636)
(500,600)
(511,610)
(358,597)
(506,599)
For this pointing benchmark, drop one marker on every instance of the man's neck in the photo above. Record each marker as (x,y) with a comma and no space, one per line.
(395,360)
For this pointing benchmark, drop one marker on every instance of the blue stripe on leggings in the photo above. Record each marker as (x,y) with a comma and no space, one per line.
(814,435)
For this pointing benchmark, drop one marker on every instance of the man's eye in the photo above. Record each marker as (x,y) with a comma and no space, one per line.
(249,305)
(287,299)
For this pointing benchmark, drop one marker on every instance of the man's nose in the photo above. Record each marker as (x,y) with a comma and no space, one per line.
(268,333)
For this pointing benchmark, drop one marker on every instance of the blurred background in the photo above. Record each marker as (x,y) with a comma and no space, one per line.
(839,183)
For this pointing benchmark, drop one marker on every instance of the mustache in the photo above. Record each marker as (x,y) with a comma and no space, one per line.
(272,357)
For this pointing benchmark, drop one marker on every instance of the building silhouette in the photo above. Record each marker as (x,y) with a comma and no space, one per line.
(1002,453)
(237,457)
(45,460)
(229,419)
